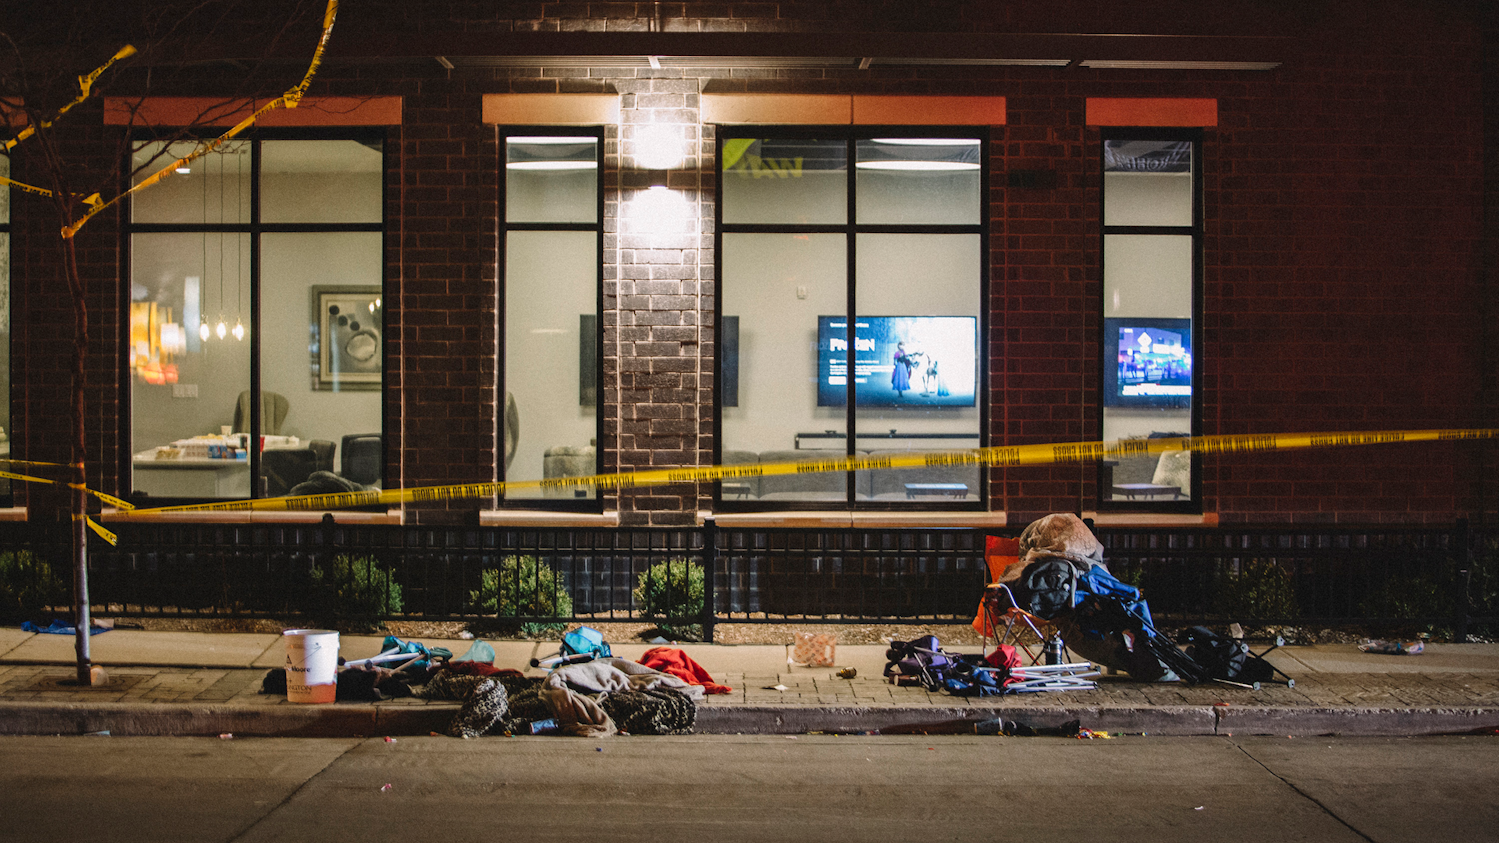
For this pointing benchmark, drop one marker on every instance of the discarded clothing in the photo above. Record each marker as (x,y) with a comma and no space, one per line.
(485,701)
(1062,535)
(371,684)
(677,663)
(613,674)
(578,715)
(656,711)
(61,627)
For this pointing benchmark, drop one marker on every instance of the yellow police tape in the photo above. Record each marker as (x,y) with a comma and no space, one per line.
(1013,455)
(291,99)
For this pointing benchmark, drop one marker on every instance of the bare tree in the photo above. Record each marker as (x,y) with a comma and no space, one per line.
(163,48)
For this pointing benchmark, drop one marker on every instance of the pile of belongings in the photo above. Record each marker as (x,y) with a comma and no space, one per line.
(588,692)
(1061,577)
(923,661)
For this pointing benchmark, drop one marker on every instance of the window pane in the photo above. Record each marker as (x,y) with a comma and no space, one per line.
(322,349)
(551,318)
(551,179)
(784,181)
(1147,183)
(185,388)
(215,189)
(1147,275)
(778,289)
(918,298)
(1147,386)
(321,181)
(919,180)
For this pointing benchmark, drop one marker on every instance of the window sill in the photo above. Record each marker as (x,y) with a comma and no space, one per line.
(543,518)
(340,516)
(802,518)
(1152,519)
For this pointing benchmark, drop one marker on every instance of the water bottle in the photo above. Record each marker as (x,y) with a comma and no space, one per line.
(1055,651)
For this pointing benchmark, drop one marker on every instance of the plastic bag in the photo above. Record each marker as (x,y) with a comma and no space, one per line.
(1393,648)
(814,649)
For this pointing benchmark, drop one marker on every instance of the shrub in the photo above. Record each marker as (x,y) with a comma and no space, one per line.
(1262,591)
(28,586)
(523,586)
(354,590)
(672,591)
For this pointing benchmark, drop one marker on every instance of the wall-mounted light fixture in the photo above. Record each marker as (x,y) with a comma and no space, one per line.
(658,146)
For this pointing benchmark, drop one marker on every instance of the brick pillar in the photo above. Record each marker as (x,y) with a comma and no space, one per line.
(658,238)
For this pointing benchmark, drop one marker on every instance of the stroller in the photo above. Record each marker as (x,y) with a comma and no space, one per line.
(583,644)
(923,661)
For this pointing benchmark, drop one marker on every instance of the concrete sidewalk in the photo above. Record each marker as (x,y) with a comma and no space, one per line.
(177,683)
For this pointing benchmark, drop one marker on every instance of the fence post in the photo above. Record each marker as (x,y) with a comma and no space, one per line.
(1464,581)
(710,566)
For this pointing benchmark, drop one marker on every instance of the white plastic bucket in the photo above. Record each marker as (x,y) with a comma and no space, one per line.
(311,665)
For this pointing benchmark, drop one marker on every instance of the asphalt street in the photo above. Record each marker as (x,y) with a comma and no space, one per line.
(726,787)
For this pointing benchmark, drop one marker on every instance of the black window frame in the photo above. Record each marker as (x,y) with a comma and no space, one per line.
(254,227)
(851,228)
(503,227)
(1104,487)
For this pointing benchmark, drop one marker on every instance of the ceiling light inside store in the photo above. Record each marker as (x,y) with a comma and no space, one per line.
(929,141)
(550,156)
(917,166)
(552,165)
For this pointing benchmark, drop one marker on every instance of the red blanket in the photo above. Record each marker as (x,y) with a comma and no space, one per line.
(679,664)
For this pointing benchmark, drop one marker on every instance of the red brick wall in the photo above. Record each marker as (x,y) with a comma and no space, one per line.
(1343,284)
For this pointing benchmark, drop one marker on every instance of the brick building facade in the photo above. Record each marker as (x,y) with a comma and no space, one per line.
(1346,261)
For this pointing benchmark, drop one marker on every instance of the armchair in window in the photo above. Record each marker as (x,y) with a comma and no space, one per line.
(273,410)
(363,458)
(283,469)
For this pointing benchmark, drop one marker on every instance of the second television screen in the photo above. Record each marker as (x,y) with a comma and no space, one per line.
(899,361)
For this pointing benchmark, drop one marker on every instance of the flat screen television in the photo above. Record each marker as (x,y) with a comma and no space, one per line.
(1147,362)
(899,361)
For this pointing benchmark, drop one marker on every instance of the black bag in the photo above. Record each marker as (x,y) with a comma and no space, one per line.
(1225,658)
(1046,587)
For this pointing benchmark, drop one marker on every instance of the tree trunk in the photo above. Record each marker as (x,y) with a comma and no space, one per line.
(78,500)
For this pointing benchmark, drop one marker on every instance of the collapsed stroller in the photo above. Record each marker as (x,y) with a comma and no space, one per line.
(923,661)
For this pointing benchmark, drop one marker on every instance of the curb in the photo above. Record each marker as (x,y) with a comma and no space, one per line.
(367,720)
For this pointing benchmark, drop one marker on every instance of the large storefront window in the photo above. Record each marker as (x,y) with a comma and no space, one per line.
(552,240)
(851,324)
(1152,242)
(256,342)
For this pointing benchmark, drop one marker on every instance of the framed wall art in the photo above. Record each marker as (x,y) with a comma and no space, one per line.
(348,346)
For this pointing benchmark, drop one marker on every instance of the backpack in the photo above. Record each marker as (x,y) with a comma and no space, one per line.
(1224,658)
(1046,588)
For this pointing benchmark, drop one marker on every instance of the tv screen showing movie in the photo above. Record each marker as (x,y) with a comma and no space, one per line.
(1147,362)
(899,361)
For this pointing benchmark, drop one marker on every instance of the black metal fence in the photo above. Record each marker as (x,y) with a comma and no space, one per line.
(1444,578)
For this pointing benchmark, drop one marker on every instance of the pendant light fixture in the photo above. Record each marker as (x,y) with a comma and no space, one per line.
(203,331)
(239,242)
(221,329)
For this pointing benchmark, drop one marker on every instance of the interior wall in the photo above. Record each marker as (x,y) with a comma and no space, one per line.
(779,284)
(291,265)
(551,278)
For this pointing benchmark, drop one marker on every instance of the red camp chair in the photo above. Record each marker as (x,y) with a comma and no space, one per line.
(998,615)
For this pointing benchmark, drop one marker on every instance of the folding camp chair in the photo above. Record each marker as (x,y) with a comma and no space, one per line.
(999,607)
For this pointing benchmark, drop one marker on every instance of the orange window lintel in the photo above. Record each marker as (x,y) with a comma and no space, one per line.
(1151,111)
